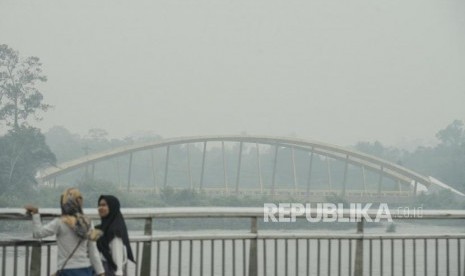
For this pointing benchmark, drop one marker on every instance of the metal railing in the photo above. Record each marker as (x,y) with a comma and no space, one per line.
(254,251)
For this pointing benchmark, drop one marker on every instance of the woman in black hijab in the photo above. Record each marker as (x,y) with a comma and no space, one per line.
(114,244)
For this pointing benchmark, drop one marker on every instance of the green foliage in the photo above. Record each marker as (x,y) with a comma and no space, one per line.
(22,152)
(453,134)
(64,144)
(446,161)
(19,96)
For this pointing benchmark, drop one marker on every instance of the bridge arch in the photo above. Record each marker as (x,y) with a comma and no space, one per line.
(348,156)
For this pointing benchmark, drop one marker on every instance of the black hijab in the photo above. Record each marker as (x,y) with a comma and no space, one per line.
(113,225)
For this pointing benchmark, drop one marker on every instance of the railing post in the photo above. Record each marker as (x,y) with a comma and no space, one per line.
(36,259)
(146,250)
(253,258)
(358,267)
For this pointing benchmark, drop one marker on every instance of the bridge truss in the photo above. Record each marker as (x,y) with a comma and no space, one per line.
(301,181)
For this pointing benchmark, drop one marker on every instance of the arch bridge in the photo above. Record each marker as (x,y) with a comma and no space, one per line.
(313,169)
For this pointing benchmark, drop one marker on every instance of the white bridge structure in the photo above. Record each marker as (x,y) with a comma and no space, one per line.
(407,183)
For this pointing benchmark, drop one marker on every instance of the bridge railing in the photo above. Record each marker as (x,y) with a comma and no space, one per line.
(257,251)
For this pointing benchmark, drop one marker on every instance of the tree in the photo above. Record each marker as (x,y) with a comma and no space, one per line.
(19,96)
(453,134)
(65,145)
(22,152)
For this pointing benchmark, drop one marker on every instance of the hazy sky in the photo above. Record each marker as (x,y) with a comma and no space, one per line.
(334,71)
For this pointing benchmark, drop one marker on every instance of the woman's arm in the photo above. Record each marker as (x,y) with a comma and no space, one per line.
(117,247)
(41,231)
(94,257)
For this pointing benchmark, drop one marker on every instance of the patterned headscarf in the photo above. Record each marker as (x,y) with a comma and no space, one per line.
(72,215)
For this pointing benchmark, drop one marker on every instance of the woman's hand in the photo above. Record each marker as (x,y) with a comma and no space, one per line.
(30,209)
